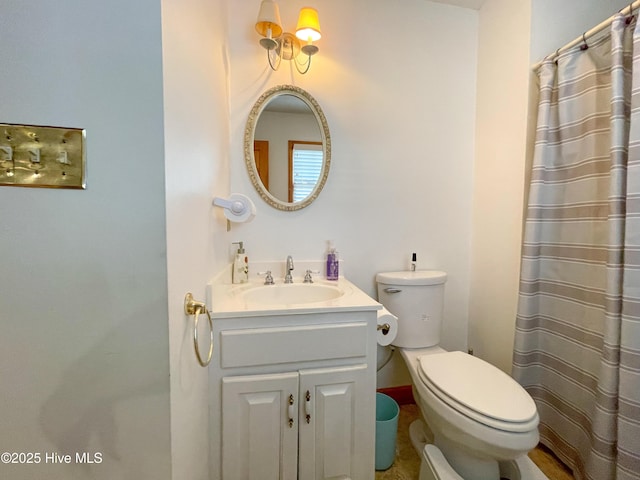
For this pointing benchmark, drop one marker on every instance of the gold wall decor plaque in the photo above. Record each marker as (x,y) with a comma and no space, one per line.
(36,156)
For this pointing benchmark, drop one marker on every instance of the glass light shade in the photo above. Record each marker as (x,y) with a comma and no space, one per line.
(308,28)
(269,18)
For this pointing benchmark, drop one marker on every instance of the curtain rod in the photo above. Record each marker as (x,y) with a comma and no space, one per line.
(590,33)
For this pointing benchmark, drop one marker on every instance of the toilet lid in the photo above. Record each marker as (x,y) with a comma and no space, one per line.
(480,387)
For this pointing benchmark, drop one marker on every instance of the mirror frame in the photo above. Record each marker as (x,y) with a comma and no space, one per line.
(249,134)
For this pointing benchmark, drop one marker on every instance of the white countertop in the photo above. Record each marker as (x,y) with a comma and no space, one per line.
(228,300)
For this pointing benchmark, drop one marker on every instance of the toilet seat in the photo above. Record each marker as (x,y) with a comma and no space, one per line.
(478,390)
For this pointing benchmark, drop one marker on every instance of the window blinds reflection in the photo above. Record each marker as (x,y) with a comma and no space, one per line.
(306,168)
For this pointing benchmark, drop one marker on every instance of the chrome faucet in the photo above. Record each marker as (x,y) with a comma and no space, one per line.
(288,278)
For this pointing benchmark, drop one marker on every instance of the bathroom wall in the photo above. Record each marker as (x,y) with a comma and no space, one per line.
(84,348)
(445,158)
(554,24)
(499,173)
(397,85)
(196,136)
(85,291)
(513,36)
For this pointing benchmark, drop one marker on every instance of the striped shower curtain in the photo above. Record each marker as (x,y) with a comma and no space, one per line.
(577,344)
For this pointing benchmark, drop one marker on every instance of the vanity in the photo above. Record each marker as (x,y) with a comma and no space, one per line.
(292,376)
(292,381)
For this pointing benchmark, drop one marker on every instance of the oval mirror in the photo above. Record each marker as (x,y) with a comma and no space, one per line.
(287,147)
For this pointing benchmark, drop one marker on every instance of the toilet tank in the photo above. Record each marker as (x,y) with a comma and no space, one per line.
(417,299)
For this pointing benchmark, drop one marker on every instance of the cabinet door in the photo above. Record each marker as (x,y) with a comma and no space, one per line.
(336,424)
(260,427)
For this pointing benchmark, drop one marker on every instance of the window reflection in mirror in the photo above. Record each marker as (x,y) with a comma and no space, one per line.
(305,167)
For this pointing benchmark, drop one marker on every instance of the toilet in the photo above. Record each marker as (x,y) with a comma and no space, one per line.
(479,423)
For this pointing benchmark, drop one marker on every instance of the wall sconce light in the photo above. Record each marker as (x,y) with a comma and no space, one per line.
(284,45)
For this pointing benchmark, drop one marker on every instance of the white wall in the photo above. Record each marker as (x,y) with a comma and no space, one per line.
(400,108)
(84,348)
(514,34)
(501,128)
(196,162)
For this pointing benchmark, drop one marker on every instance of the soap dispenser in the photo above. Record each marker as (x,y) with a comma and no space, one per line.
(333,264)
(240,271)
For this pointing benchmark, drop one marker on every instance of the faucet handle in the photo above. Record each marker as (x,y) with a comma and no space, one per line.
(268,278)
(307,277)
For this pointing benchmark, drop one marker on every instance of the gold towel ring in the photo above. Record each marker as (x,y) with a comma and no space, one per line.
(191,307)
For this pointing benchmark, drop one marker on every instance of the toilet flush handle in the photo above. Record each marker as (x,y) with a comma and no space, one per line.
(392,290)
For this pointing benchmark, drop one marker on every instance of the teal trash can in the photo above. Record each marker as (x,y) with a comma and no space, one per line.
(387,412)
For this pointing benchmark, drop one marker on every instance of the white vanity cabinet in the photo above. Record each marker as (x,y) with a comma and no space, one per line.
(259,440)
(275,425)
(293,396)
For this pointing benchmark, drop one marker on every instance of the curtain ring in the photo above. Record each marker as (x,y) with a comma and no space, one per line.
(557,55)
(630,17)
(585,45)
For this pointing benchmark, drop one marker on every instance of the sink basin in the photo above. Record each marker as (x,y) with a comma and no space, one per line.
(294,293)
(254,299)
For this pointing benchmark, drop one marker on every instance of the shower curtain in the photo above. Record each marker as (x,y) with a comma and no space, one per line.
(577,343)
